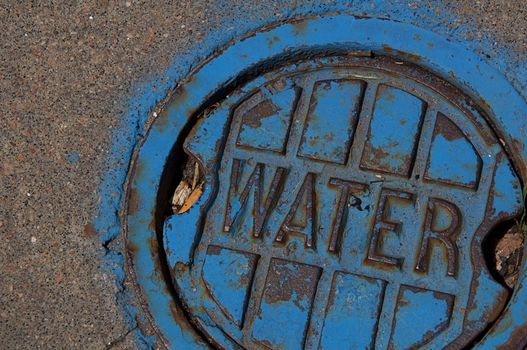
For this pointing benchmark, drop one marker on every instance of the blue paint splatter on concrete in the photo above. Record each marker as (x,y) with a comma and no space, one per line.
(73,157)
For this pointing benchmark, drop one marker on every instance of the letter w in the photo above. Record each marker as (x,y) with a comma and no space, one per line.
(237,201)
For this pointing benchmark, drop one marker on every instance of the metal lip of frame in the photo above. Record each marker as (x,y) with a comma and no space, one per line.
(500,102)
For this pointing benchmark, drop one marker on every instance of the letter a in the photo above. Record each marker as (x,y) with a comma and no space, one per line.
(290,225)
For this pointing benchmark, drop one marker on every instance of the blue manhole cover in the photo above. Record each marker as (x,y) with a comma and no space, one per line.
(337,201)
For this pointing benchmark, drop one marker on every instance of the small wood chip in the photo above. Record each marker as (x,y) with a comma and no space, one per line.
(181,194)
(189,189)
(196,175)
(509,255)
(194,196)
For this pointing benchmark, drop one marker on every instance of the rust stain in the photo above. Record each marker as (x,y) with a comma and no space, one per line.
(179,98)
(290,287)
(139,170)
(272,41)
(388,49)
(152,224)
(447,128)
(300,27)
(517,340)
(133,202)
(90,231)
(179,315)
(376,155)
(393,52)
(131,248)
(262,110)
(213,250)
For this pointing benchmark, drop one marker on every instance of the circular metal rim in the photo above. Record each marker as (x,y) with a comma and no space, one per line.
(362,64)
(501,103)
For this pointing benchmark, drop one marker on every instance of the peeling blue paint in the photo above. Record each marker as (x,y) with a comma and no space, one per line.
(456,158)
(227,275)
(329,138)
(395,113)
(273,125)
(420,312)
(353,313)
(471,71)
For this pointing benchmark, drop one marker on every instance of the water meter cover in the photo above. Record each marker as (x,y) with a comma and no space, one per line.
(345,206)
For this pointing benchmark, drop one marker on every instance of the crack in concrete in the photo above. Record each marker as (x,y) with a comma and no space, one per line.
(119,340)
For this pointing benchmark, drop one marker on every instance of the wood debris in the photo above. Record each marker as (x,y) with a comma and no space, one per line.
(508,255)
(189,189)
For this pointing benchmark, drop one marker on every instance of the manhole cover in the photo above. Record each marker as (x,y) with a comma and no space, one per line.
(344,203)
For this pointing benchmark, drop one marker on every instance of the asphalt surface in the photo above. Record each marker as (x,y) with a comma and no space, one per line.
(66,74)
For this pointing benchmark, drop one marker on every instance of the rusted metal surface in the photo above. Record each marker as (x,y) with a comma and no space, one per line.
(342,193)
(348,182)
